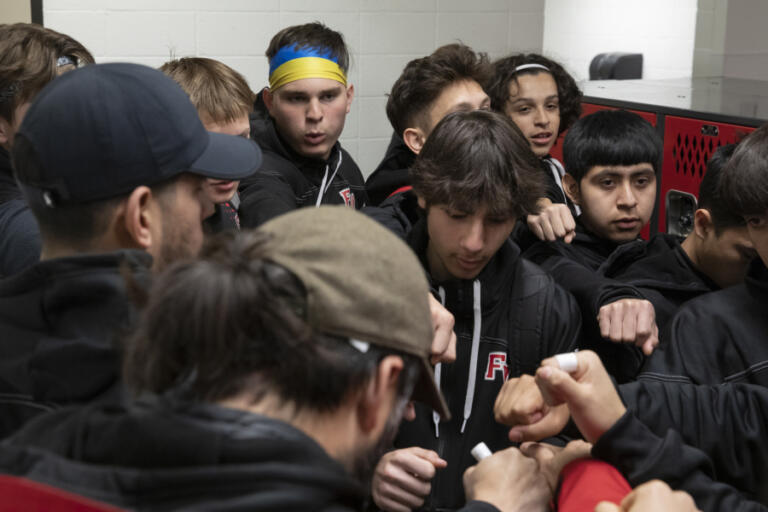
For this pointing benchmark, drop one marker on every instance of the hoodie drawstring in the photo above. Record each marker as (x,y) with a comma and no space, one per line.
(323,187)
(478,314)
(438,366)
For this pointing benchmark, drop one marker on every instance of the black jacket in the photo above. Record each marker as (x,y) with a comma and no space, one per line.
(523,317)
(392,172)
(728,422)
(718,337)
(662,271)
(60,323)
(162,454)
(575,267)
(19,234)
(287,180)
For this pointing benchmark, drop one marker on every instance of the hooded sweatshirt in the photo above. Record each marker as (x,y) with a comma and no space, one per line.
(60,324)
(392,173)
(19,234)
(718,337)
(287,181)
(508,319)
(662,272)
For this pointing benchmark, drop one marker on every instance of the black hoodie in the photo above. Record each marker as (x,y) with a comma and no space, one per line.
(718,337)
(19,234)
(60,323)
(392,172)
(575,267)
(662,271)
(287,181)
(513,315)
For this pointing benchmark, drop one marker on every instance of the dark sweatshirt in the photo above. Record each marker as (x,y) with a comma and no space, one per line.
(19,235)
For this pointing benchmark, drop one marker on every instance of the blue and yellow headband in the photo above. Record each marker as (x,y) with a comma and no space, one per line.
(290,64)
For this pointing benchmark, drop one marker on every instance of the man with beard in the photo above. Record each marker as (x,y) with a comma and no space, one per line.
(272,369)
(111,160)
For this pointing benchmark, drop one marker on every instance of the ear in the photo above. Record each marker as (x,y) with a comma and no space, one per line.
(350,96)
(379,396)
(138,217)
(702,223)
(5,133)
(572,189)
(266,95)
(422,202)
(414,138)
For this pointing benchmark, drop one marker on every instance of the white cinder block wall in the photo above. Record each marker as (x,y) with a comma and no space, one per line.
(383,36)
(663,31)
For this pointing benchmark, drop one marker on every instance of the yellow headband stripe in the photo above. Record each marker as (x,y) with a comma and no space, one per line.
(305,67)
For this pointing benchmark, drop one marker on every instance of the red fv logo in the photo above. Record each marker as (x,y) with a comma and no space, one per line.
(349,197)
(497,362)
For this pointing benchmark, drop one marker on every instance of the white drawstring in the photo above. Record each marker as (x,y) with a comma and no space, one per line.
(438,366)
(478,314)
(323,187)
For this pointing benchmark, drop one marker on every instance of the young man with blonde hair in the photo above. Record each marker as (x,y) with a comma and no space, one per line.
(224,101)
(297,123)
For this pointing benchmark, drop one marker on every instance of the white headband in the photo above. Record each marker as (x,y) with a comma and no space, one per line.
(521,67)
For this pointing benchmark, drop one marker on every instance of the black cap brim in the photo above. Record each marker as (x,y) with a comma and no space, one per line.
(227,157)
(427,392)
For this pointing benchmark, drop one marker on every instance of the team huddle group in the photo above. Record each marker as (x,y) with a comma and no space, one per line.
(204,305)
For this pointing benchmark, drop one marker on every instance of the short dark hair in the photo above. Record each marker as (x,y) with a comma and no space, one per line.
(28,61)
(423,79)
(475,159)
(77,225)
(744,184)
(311,35)
(244,330)
(610,137)
(568,93)
(709,191)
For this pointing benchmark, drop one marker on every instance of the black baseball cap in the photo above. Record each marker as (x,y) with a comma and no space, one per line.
(102,130)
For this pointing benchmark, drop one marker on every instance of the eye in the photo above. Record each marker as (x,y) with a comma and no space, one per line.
(607,182)
(524,110)
(455,214)
(553,106)
(328,96)
(756,222)
(496,220)
(643,181)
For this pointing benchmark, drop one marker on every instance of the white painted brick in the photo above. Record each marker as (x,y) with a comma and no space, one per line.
(351,123)
(239,5)
(526,32)
(398,5)
(485,32)
(193,5)
(397,33)
(89,28)
(150,34)
(350,145)
(345,22)
(253,69)
(529,6)
(473,6)
(319,6)
(379,72)
(373,118)
(235,34)
(370,152)
(72,5)
(153,62)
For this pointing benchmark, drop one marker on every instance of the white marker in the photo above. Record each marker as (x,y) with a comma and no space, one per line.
(568,362)
(480,451)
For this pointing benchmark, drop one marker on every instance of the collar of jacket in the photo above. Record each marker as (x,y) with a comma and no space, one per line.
(659,263)
(495,277)
(586,238)
(757,280)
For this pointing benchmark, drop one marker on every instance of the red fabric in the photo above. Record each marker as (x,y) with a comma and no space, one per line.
(22,494)
(405,188)
(586,482)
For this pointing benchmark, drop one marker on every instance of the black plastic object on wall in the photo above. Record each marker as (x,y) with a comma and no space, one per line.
(616,66)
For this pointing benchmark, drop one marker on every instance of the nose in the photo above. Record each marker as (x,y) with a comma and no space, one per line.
(473,239)
(542,117)
(314,110)
(627,197)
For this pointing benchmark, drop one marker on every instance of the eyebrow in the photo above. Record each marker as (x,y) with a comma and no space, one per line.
(610,171)
(531,100)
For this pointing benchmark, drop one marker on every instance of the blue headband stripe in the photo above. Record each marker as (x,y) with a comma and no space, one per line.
(288,53)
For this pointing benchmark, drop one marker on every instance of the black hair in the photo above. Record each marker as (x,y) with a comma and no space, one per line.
(244,330)
(610,137)
(313,35)
(744,184)
(709,191)
(503,73)
(478,159)
(424,79)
